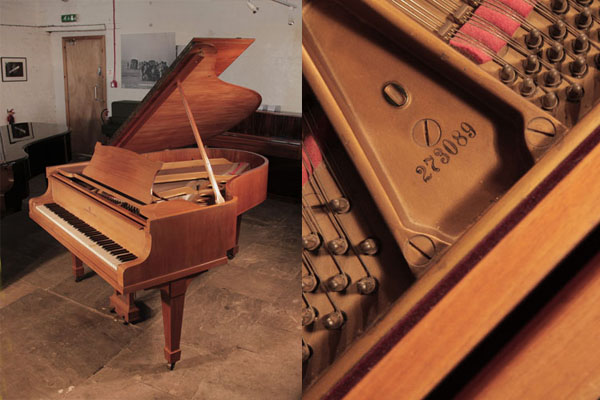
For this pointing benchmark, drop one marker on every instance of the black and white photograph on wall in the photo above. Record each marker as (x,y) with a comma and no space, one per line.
(20,131)
(14,69)
(145,57)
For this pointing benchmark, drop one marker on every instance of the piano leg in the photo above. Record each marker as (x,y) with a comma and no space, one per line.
(77,268)
(125,307)
(172,296)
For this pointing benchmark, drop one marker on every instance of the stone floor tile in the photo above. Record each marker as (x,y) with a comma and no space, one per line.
(53,343)
(121,389)
(257,377)
(244,281)
(143,361)
(15,291)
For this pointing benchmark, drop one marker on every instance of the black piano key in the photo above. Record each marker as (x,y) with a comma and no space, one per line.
(92,233)
(98,237)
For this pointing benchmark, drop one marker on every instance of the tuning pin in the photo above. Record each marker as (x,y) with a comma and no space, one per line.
(558,30)
(559,6)
(366,285)
(309,283)
(552,78)
(309,315)
(368,247)
(575,92)
(549,101)
(583,20)
(578,67)
(531,64)
(340,205)
(581,44)
(311,242)
(508,74)
(338,282)
(534,39)
(338,246)
(527,87)
(334,320)
(555,53)
(306,352)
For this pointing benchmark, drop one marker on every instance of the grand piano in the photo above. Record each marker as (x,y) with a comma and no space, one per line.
(155,208)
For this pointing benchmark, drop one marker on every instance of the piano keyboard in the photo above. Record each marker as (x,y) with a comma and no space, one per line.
(99,244)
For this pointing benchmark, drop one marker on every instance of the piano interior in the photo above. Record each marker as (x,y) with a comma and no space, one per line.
(426,124)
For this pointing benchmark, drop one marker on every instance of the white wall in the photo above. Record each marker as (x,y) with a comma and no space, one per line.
(34,99)
(271,66)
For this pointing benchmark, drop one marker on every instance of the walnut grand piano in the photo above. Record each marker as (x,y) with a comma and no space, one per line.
(146,212)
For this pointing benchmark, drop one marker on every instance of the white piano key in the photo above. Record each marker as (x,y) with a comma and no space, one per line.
(93,247)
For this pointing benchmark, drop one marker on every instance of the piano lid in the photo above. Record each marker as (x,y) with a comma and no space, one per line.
(160,121)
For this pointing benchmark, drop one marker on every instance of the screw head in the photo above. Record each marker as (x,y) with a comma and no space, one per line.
(309,283)
(419,250)
(338,282)
(366,285)
(427,132)
(368,247)
(309,315)
(540,132)
(306,352)
(340,205)
(311,241)
(337,246)
(334,320)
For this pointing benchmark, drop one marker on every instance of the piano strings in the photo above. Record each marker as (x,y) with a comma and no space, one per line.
(481,31)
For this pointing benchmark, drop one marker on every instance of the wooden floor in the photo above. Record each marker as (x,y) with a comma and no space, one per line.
(240,330)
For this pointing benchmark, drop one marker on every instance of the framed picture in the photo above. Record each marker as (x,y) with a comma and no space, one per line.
(14,69)
(20,131)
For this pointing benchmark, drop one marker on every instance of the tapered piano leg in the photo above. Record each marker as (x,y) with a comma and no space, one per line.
(77,268)
(172,296)
(125,307)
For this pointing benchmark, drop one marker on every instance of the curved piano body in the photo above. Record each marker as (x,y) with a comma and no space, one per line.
(143,213)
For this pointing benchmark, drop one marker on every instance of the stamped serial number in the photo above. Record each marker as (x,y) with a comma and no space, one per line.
(447,149)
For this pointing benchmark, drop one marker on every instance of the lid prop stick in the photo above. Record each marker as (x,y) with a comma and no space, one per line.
(211,176)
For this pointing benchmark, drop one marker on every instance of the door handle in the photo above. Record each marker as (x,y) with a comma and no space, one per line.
(96,93)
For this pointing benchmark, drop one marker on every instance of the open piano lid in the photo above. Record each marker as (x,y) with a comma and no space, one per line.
(160,121)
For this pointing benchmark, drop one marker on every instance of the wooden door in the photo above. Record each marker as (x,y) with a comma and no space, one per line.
(85,89)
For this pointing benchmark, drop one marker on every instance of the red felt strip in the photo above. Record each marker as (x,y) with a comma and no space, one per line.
(311,155)
(519,6)
(473,52)
(489,39)
(502,21)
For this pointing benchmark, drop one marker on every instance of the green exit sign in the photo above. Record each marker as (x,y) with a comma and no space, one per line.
(68,18)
